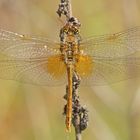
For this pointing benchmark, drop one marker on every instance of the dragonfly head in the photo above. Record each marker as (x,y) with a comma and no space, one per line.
(71,30)
(72,27)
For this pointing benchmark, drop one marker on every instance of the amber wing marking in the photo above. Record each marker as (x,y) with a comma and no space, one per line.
(54,63)
(84,65)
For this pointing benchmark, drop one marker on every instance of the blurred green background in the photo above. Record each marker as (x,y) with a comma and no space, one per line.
(30,112)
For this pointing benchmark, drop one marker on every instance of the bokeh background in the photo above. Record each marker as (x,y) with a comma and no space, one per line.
(30,112)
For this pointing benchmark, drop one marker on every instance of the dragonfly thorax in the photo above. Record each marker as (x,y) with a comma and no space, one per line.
(70,39)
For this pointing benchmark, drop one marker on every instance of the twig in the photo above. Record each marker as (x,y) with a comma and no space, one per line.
(80,113)
(65,9)
(69,8)
(76,107)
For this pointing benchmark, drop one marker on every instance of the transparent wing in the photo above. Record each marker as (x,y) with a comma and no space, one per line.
(27,59)
(21,46)
(108,71)
(114,45)
(114,57)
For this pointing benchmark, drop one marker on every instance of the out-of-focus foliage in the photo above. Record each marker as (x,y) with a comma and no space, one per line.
(35,113)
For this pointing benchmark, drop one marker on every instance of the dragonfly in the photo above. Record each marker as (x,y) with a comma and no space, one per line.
(98,60)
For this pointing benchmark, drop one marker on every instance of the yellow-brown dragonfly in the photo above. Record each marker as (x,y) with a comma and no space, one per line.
(98,60)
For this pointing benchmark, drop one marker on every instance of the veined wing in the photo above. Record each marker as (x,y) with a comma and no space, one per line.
(111,58)
(24,46)
(114,45)
(105,70)
(31,60)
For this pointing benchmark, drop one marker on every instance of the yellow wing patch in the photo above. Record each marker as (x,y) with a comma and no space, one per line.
(84,65)
(55,66)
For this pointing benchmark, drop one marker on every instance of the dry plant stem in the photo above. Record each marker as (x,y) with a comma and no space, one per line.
(69,8)
(65,9)
(78,136)
(76,107)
